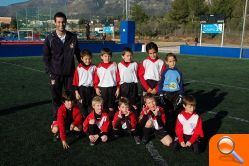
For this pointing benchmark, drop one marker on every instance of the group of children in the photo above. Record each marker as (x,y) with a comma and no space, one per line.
(92,107)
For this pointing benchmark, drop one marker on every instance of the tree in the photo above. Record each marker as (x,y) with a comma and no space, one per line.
(13,23)
(179,12)
(138,14)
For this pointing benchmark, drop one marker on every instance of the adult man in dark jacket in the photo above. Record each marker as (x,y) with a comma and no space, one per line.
(59,50)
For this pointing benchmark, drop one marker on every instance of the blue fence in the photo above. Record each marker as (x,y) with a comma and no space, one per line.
(214,51)
(17,50)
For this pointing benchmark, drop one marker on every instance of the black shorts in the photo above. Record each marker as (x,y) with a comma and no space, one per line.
(160,133)
(152,84)
(108,95)
(86,94)
(129,91)
(195,146)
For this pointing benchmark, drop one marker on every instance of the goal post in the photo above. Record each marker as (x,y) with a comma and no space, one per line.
(25,34)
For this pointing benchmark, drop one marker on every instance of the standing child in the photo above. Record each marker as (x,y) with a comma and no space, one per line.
(96,124)
(128,77)
(83,81)
(150,69)
(68,118)
(171,84)
(188,126)
(106,81)
(153,120)
(125,120)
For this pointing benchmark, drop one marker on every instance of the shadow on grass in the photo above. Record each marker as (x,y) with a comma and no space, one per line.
(22,107)
(207,100)
(211,127)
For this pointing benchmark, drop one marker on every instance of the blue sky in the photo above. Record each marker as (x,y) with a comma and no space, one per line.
(8,2)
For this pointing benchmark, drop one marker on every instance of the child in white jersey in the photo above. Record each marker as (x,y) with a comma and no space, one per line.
(149,71)
(106,81)
(128,77)
(83,81)
(188,126)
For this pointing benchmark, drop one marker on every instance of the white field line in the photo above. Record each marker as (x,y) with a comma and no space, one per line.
(158,159)
(231,117)
(24,67)
(217,84)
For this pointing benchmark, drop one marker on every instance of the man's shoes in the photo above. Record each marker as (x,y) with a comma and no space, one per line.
(137,140)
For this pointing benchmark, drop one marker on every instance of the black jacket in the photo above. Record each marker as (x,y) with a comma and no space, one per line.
(59,57)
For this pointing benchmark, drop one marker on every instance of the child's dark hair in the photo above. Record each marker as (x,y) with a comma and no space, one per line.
(170,55)
(124,101)
(151,45)
(149,96)
(68,96)
(85,52)
(189,99)
(126,49)
(105,51)
(60,14)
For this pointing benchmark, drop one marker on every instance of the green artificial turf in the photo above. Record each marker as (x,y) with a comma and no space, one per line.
(220,86)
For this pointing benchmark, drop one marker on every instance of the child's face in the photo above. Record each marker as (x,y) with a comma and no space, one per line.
(152,53)
(98,108)
(190,108)
(87,60)
(68,104)
(171,62)
(127,56)
(150,103)
(105,58)
(124,108)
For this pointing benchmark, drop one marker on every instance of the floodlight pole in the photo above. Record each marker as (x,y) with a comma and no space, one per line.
(126,10)
(201,34)
(222,38)
(243,31)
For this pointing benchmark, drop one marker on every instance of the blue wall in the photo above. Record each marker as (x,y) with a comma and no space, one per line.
(36,49)
(214,51)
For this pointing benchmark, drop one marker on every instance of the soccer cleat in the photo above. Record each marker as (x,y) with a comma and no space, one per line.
(137,140)
(91,143)
(145,141)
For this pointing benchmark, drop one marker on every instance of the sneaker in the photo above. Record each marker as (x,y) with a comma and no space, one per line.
(91,143)
(55,138)
(145,141)
(137,140)
(79,135)
(116,136)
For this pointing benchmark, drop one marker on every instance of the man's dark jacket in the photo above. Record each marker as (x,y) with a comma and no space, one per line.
(59,57)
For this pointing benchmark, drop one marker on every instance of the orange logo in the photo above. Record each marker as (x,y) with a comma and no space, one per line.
(229,150)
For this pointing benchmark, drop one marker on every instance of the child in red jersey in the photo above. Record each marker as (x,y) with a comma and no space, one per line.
(128,77)
(152,119)
(106,81)
(149,71)
(68,118)
(125,120)
(83,81)
(188,126)
(96,125)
